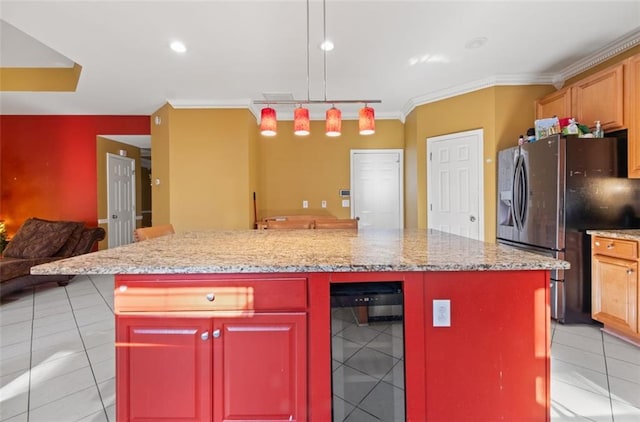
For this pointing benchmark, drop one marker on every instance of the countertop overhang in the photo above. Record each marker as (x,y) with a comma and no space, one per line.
(629,234)
(285,251)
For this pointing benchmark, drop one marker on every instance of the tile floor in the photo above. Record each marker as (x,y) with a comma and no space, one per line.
(57,363)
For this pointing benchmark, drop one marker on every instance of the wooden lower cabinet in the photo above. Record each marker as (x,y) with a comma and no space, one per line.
(614,291)
(248,368)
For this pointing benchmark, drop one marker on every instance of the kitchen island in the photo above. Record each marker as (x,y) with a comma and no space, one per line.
(236,325)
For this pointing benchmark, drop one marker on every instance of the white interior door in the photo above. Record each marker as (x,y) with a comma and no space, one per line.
(455,184)
(121,199)
(377,188)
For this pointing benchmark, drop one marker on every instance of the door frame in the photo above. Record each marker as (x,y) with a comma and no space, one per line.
(353,152)
(480,137)
(132,162)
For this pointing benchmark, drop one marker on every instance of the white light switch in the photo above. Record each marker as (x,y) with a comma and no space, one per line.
(442,313)
(324,204)
(305,204)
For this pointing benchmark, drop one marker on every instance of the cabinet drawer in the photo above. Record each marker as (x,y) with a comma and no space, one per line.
(626,249)
(207,295)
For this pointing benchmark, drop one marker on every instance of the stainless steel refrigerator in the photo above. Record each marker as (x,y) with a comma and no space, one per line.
(550,192)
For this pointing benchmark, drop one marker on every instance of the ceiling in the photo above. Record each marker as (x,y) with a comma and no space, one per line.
(404,53)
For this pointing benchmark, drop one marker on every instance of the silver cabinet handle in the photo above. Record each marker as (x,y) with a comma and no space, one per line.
(597,243)
(629,271)
(216,333)
(211,297)
(204,336)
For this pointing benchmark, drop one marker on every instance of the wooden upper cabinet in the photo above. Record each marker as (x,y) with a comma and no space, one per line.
(555,104)
(632,109)
(600,97)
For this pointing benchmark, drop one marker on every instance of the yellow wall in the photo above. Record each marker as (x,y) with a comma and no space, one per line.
(104,146)
(502,112)
(204,177)
(315,167)
(160,161)
(210,161)
(411,171)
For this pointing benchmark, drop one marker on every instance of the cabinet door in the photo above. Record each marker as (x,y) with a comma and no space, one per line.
(615,292)
(260,371)
(555,104)
(632,79)
(600,97)
(163,369)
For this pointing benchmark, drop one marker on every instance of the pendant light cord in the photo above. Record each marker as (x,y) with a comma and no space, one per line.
(308,92)
(324,42)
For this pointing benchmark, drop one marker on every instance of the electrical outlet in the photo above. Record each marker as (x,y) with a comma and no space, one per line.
(345,203)
(324,204)
(305,204)
(442,313)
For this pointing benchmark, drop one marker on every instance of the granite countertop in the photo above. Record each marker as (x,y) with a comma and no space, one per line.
(265,251)
(630,234)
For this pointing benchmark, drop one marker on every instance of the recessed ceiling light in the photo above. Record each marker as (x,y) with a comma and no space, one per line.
(178,47)
(428,58)
(476,43)
(327,45)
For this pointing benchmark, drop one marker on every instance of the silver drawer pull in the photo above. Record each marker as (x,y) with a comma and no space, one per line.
(597,243)
(216,333)
(211,297)
(629,271)
(123,288)
(204,336)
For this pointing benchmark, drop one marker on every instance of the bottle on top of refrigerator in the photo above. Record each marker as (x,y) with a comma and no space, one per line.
(598,133)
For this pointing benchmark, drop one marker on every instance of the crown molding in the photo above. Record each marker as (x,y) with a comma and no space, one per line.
(178,103)
(557,80)
(476,85)
(610,50)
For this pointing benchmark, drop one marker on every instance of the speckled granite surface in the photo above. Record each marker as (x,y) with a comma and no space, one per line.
(618,234)
(259,251)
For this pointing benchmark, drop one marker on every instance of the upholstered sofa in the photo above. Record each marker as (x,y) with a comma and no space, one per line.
(40,241)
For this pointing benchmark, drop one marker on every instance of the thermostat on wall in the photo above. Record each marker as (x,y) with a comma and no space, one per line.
(345,193)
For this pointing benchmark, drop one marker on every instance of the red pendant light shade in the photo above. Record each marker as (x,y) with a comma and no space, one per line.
(334,122)
(366,121)
(268,122)
(301,121)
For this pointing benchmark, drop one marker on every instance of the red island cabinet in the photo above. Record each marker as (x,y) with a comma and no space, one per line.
(211,349)
(491,364)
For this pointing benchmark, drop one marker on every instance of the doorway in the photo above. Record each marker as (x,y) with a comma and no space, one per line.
(121,199)
(455,184)
(377,188)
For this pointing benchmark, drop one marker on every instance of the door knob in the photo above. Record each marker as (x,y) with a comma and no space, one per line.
(204,336)
(216,333)
(114,216)
(472,218)
(211,297)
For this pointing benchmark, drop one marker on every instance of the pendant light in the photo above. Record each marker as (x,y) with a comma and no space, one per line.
(301,125)
(268,122)
(301,122)
(334,122)
(366,121)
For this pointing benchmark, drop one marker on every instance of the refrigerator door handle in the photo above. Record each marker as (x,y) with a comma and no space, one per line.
(520,194)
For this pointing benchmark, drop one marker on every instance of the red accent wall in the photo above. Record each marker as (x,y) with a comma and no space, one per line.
(48,165)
